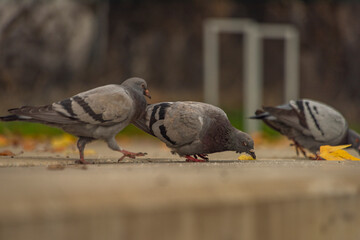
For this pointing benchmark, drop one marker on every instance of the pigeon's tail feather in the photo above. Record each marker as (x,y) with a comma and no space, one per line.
(44,114)
(260,114)
(10,118)
(29,110)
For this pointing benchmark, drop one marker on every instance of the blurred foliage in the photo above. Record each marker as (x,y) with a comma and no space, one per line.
(40,130)
(236,118)
(269,133)
(355,127)
(64,47)
(28,129)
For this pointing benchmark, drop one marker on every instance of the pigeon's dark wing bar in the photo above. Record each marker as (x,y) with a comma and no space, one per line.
(106,105)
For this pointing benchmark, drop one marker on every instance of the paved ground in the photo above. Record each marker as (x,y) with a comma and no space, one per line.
(98,152)
(160,196)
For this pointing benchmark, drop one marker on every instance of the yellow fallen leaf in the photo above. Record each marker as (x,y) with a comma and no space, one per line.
(328,148)
(336,153)
(245,157)
(62,142)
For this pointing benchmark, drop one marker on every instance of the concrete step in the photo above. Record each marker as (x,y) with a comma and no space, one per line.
(167,198)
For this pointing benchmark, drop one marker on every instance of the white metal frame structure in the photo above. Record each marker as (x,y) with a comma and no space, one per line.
(253,78)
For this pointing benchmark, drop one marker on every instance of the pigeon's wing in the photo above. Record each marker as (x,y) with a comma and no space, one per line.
(184,122)
(324,122)
(284,116)
(311,118)
(106,105)
(175,123)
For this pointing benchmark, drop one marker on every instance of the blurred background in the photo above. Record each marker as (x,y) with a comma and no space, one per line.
(50,50)
(53,49)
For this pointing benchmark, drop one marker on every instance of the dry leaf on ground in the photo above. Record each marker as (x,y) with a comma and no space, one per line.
(245,157)
(7,153)
(59,144)
(336,153)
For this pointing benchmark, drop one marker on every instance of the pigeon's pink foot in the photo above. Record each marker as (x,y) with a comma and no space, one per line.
(81,161)
(81,146)
(191,159)
(130,154)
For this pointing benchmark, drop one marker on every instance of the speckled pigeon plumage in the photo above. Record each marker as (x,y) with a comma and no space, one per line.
(99,113)
(194,128)
(310,124)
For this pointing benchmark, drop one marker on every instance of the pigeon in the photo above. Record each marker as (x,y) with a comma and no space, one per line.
(194,128)
(309,124)
(99,113)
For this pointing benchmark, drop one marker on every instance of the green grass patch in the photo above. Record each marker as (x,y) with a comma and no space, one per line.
(28,129)
(39,130)
(355,127)
(269,133)
(236,118)
(131,130)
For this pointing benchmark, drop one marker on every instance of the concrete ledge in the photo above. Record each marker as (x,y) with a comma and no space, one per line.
(268,199)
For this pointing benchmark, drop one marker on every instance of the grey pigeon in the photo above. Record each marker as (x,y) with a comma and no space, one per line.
(99,113)
(310,124)
(194,128)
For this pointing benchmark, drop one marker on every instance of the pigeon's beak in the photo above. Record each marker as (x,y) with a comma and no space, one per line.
(251,152)
(146,93)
